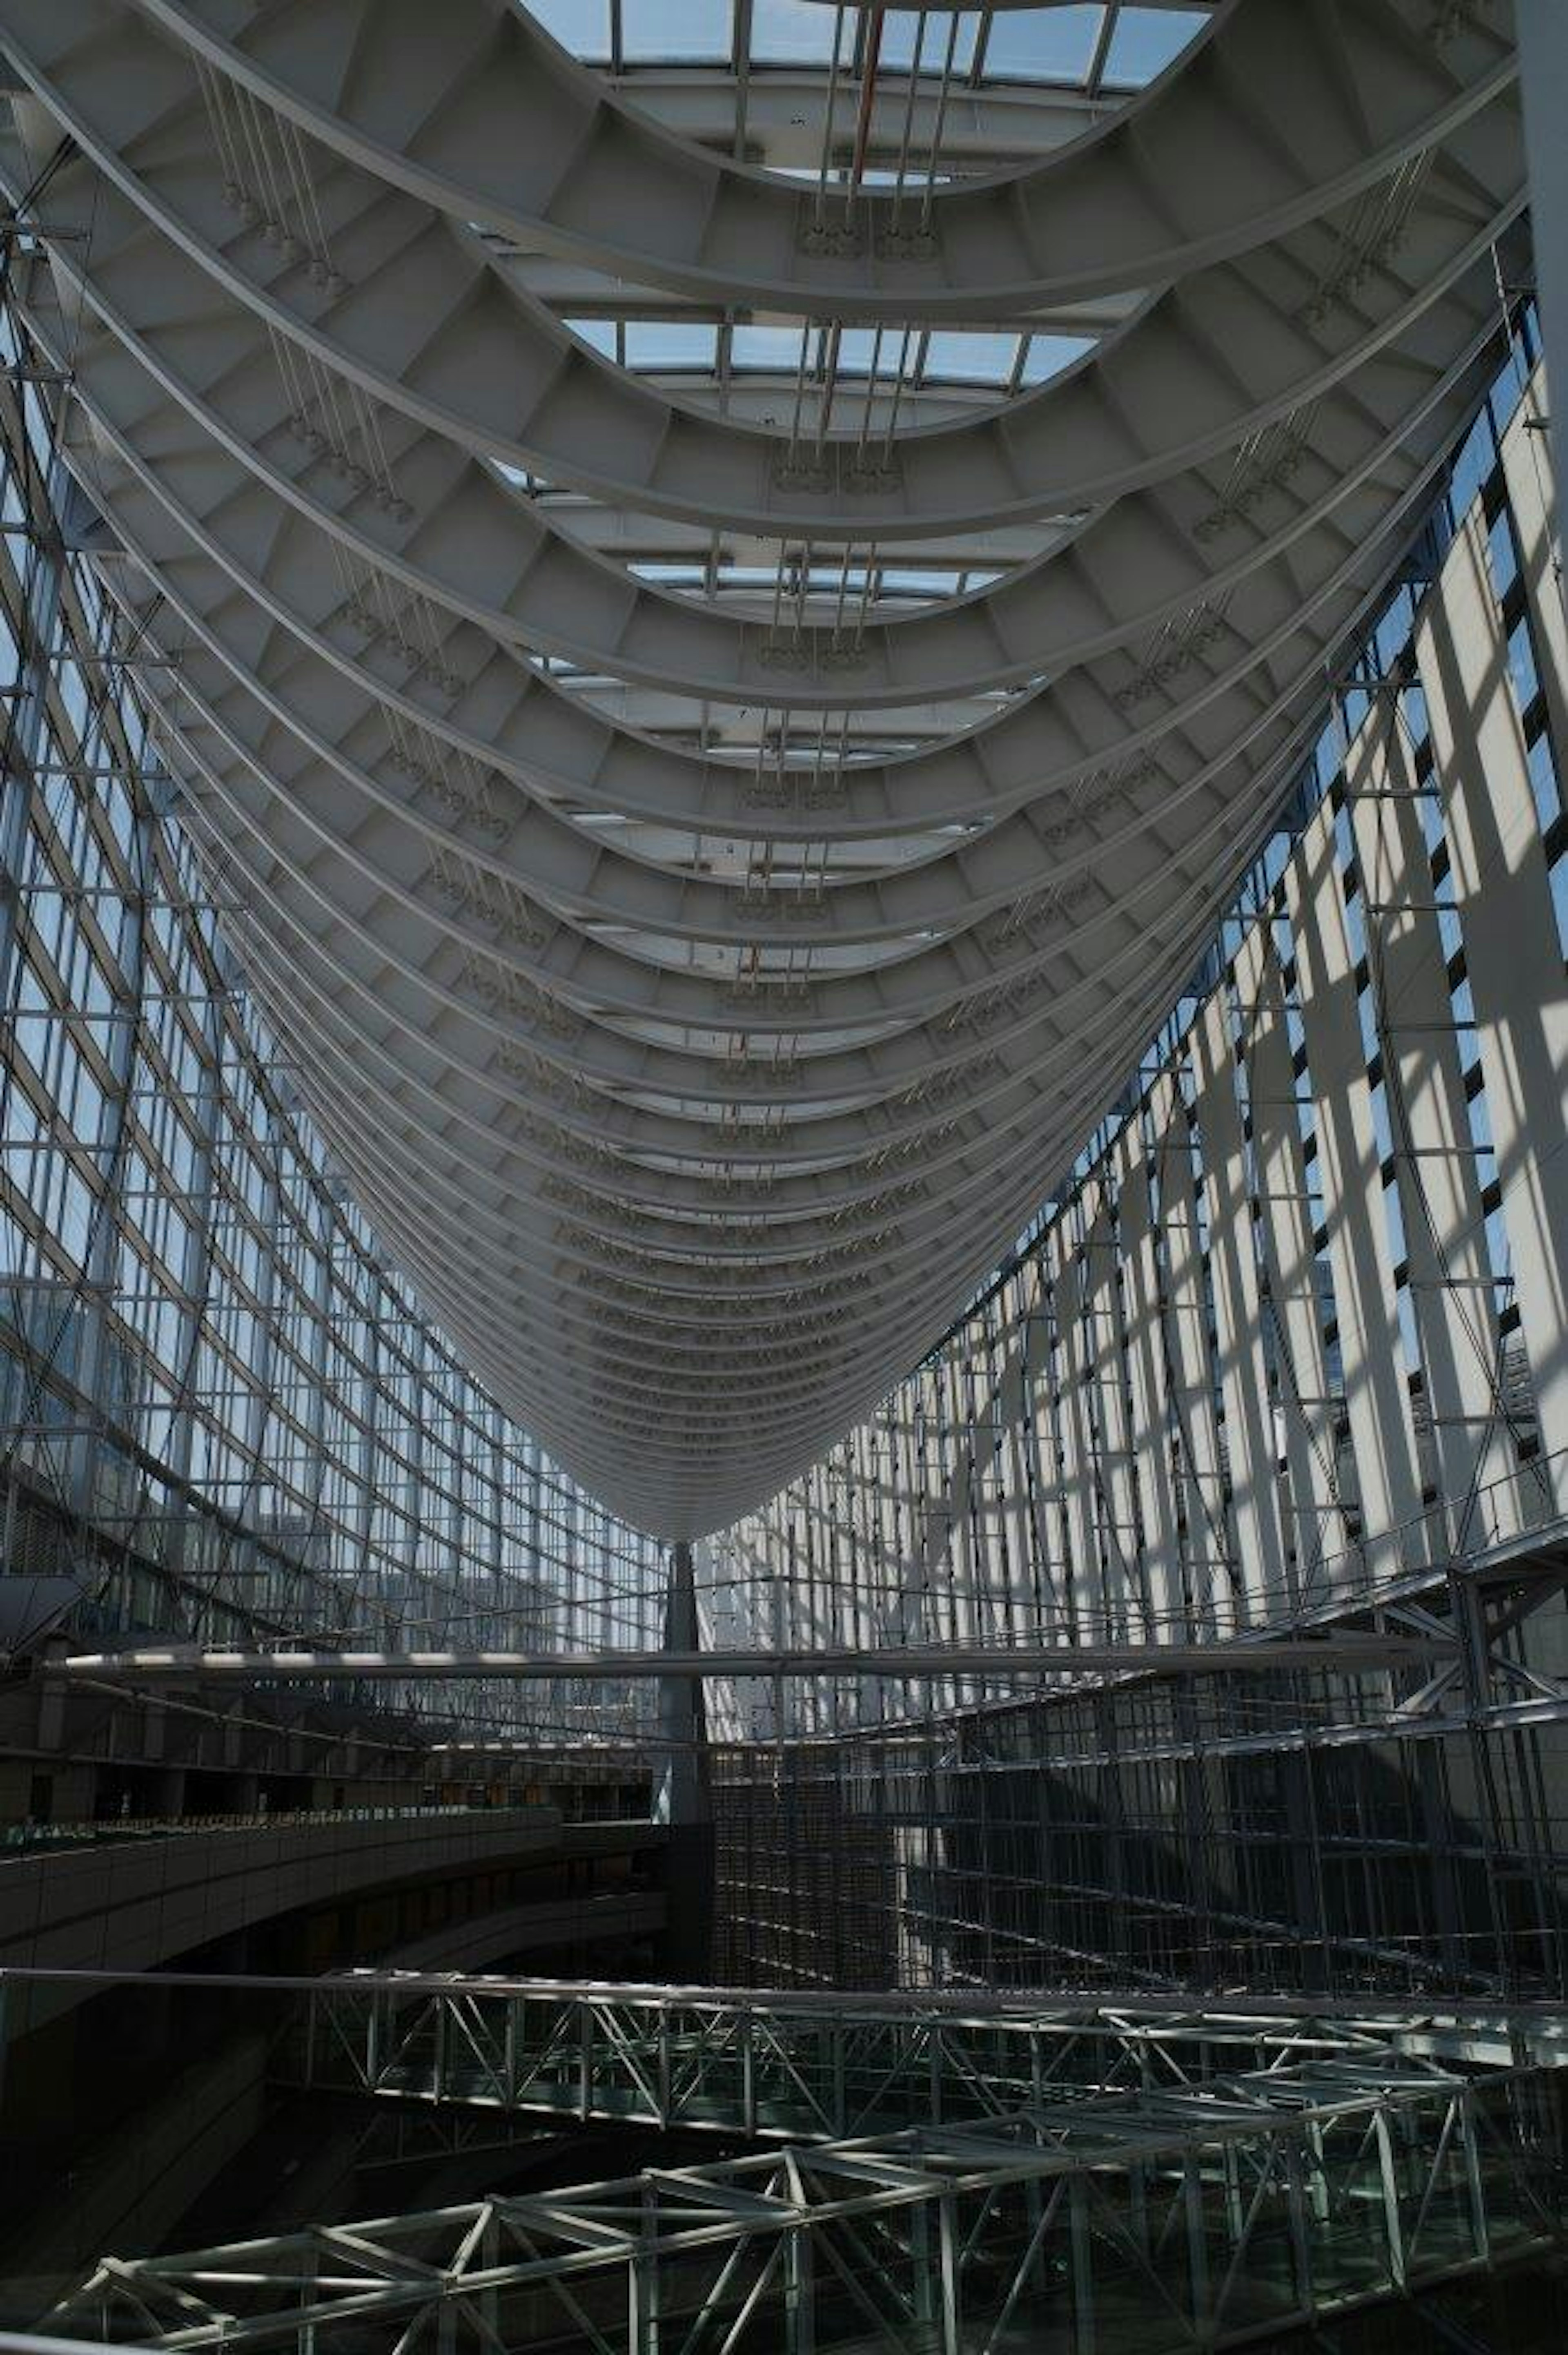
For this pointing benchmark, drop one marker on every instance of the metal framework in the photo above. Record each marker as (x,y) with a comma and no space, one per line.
(1198,2218)
(222,1412)
(695,1027)
(711,639)
(1391,1831)
(1291,1331)
(830,2068)
(1284,1350)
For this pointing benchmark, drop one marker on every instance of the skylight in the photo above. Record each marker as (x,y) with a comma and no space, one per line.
(1093,45)
(1042,44)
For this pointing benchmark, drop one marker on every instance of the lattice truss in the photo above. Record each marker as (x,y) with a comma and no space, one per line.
(640,779)
(1201,2178)
(830,2067)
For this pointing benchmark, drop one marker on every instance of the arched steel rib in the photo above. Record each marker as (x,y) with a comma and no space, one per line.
(430,328)
(582,757)
(886,976)
(778,1381)
(479,552)
(534,1045)
(400,1005)
(276,570)
(477,111)
(431,1187)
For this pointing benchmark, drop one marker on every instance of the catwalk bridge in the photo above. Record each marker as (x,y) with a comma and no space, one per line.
(949,2174)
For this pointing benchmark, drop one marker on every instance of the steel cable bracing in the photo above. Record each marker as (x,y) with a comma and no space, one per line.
(731,967)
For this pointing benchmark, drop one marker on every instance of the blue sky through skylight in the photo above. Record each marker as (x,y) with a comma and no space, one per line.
(1067,42)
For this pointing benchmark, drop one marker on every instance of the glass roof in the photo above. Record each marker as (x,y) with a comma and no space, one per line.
(864,109)
(1087,45)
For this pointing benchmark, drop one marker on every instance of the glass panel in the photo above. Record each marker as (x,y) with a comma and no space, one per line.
(599,332)
(681,32)
(1047,356)
(670,344)
(580,25)
(1041,44)
(958,356)
(1145,40)
(792,32)
(901,28)
(766,351)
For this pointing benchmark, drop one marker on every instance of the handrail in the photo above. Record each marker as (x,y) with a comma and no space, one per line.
(34,1836)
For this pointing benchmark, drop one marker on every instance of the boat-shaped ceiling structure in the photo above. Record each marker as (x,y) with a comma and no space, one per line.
(725,635)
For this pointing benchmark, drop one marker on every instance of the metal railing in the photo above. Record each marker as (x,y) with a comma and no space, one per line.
(34,1837)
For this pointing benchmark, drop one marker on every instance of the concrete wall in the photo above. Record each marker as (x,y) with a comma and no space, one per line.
(533,1929)
(133,1904)
(129,2191)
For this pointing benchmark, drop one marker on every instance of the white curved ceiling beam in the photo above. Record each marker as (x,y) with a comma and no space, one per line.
(693,1113)
(430,325)
(298,585)
(477,110)
(489,1105)
(181,495)
(583,759)
(479,552)
(639,1387)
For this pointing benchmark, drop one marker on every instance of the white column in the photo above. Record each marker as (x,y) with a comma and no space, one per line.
(1543,28)
(1209,1545)
(1306,1415)
(1377,1398)
(1512,955)
(1435,1165)
(1250,1441)
(1124,1569)
(1085,1583)
(1040,1445)
(1145,1372)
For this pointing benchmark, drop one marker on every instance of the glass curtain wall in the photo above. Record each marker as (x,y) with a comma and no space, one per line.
(1017,1486)
(221,1412)
(1284,1350)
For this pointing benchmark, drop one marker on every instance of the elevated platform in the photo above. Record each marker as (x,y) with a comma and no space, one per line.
(133,1905)
(1066,2173)
(783,2066)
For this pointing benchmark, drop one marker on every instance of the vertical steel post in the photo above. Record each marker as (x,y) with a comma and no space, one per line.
(1197,2244)
(1392,2222)
(1542,31)
(951,2320)
(43,578)
(645,2279)
(683,1800)
(1082,2248)
(800,2311)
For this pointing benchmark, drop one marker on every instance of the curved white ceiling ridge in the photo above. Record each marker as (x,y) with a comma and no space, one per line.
(700,994)
(477,110)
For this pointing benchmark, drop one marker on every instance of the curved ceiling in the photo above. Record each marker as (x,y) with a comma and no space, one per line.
(728,629)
